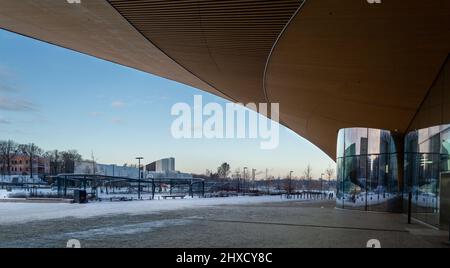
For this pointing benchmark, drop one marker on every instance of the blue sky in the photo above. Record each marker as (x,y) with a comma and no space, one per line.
(60,99)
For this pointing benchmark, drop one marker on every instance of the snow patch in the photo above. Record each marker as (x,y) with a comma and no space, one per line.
(128,229)
(25,212)
(3,194)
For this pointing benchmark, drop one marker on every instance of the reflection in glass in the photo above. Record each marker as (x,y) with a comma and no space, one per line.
(367,171)
(426,156)
(340,143)
(355,141)
(374,138)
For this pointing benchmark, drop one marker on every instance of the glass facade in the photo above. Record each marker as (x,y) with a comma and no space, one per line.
(427,155)
(367,171)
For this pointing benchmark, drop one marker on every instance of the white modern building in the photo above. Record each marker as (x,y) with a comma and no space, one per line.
(88,167)
(164,168)
(165,165)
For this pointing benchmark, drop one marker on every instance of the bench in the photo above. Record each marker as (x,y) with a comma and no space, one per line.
(173,196)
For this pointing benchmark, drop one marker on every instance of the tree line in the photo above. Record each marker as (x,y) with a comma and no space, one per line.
(60,161)
(306,178)
(246,180)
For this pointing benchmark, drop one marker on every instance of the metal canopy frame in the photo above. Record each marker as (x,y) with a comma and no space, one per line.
(84,179)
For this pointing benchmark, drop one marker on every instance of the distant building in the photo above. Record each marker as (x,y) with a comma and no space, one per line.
(165,168)
(20,165)
(88,167)
(151,167)
(161,169)
(166,165)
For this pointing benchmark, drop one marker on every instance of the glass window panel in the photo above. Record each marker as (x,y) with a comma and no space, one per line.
(392,145)
(368,170)
(340,143)
(435,144)
(423,135)
(432,131)
(423,168)
(354,183)
(373,165)
(385,142)
(411,142)
(424,146)
(340,183)
(429,140)
(445,141)
(445,163)
(374,141)
(356,142)
(373,191)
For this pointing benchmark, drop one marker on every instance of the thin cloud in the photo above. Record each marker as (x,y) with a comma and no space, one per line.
(4,121)
(16,105)
(117,104)
(8,89)
(95,114)
(117,120)
(5,72)
(7,75)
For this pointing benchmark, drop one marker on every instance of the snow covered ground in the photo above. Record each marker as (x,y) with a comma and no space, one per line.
(25,212)
(3,194)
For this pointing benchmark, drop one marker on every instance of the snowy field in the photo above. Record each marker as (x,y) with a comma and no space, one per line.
(25,212)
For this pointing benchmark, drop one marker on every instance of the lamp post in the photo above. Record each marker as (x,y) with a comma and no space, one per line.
(321,184)
(245,176)
(290,183)
(139,180)
(253,179)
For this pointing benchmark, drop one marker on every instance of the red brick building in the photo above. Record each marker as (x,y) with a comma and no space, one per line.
(20,165)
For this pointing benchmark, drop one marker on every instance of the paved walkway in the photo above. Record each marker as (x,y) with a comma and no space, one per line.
(270,225)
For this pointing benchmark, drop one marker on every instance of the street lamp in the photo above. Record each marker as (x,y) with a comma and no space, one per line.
(321,184)
(139,180)
(245,176)
(290,182)
(253,179)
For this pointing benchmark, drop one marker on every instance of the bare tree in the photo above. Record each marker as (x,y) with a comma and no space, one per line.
(3,145)
(32,151)
(330,174)
(69,158)
(8,151)
(308,175)
(308,172)
(224,171)
(54,157)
